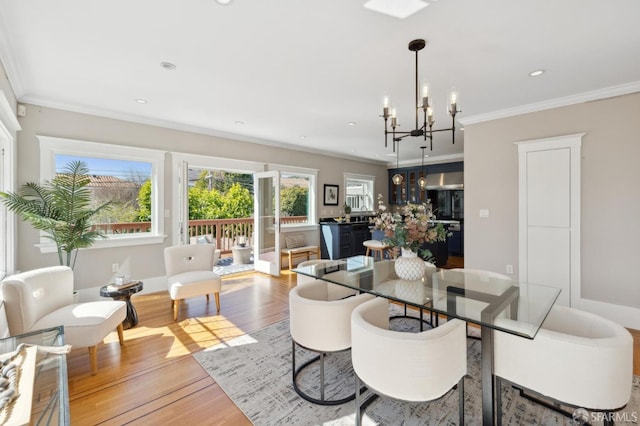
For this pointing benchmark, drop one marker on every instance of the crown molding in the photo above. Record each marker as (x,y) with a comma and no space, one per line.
(594,95)
(431,160)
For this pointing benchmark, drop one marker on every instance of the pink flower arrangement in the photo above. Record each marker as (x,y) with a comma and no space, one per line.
(409,228)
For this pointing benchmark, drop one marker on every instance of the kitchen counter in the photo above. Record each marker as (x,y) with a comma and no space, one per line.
(445,222)
(333,222)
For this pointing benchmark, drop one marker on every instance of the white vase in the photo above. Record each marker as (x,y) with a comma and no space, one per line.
(409,266)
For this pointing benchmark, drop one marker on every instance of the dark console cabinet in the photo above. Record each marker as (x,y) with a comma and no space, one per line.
(340,240)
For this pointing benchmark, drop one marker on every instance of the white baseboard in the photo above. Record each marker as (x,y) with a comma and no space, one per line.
(150,285)
(624,315)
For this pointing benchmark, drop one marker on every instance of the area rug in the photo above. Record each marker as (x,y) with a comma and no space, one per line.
(226,266)
(254,370)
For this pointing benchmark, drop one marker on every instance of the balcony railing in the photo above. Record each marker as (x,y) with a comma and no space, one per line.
(225,232)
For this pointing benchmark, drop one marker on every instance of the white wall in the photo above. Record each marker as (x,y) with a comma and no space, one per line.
(93,267)
(610,196)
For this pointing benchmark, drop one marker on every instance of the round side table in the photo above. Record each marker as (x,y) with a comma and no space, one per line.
(124,293)
(241,254)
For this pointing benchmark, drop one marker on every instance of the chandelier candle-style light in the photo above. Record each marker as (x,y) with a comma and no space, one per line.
(426,130)
(422,181)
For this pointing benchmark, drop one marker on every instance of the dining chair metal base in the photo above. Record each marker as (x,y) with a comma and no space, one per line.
(423,321)
(361,406)
(550,403)
(297,371)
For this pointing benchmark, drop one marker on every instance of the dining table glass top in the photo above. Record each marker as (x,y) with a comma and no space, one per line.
(479,297)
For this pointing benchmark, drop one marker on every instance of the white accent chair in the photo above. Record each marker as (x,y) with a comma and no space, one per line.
(320,325)
(406,366)
(43,298)
(577,358)
(190,273)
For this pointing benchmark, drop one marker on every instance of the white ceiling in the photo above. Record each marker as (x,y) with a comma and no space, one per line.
(292,68)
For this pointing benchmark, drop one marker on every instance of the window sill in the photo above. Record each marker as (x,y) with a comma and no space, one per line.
(120,241)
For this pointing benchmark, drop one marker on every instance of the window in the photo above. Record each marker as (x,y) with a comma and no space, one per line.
(128,177)
(359,194)
(297,196)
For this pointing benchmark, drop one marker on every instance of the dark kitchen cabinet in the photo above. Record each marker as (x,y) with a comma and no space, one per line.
(409,191)
(456,244)
(340,240)
(359,234)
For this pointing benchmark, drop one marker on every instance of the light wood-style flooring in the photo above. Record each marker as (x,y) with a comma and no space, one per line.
(154,380)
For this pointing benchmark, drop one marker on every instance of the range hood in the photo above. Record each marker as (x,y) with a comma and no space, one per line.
(449,180)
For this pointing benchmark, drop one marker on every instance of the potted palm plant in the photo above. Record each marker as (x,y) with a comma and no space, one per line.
(61,208)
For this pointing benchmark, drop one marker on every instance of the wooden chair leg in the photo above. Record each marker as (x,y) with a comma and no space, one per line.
(367,252)
(93,359)
(217,295)
(120,329)
(176,308)
(207,297)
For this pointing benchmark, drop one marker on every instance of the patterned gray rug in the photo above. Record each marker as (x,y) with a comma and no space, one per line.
(254,370)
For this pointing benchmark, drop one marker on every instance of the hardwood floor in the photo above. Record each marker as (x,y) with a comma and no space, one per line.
(154,379)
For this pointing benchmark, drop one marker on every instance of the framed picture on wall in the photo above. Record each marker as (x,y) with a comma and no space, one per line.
(331,195)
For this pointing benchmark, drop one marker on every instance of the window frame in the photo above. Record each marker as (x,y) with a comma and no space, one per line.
(52,146)
(9,126)
(312,174)
(369,178)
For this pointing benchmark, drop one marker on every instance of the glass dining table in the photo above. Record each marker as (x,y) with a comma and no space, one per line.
(490,301)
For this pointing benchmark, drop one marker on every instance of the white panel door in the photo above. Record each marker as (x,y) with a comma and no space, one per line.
(549,188)
(549,259)
(549,214)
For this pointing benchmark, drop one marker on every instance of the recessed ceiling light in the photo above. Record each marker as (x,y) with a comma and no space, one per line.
(426,156)
(353,150)
(351,123)
(391,154)
(168,66)
(536,73)
(239,123)
(397,8)
(303,137)
(462,129)
(223,2)
(141,101)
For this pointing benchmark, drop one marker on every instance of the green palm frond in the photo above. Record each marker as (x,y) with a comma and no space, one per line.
(61,208)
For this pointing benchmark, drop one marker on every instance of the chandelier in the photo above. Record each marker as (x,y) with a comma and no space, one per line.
(426,129)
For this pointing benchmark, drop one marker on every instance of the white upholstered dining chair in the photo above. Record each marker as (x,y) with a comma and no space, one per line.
(335,291)
(321,325)
(406,366)
(43,298)
(577,358)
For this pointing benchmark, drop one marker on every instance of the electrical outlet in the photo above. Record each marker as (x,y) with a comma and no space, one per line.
(114,267)
(509,269)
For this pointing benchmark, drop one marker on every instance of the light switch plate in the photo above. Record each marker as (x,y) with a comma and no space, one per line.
(484,213)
